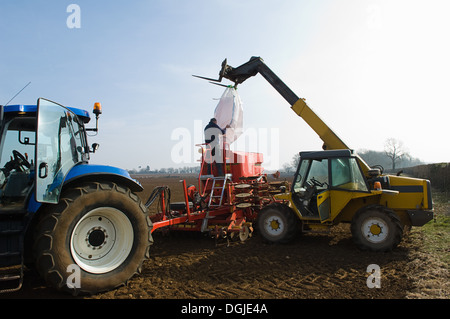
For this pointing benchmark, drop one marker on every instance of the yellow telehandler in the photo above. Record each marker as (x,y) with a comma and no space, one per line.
(335,185)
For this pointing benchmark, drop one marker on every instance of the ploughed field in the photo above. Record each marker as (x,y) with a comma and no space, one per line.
(185,265)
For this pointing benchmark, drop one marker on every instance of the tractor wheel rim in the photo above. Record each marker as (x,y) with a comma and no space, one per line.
(101,240)
(375,230)
(274,226)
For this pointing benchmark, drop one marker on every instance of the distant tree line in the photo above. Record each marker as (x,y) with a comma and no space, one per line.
(169,170)
(393,157)
(373,158)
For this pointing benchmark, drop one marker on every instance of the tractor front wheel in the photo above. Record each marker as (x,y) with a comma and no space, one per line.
(277,223)
(376,228)
(95,239)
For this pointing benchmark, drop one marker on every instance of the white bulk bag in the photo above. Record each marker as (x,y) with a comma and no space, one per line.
(229,112)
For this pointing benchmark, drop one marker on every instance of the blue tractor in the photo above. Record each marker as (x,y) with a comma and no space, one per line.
(81,226)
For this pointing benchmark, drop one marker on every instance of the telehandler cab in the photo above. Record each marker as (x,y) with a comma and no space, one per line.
(335,185)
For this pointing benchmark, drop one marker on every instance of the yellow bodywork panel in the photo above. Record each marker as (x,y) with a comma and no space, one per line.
(340,199)
(412,193)
(283,196)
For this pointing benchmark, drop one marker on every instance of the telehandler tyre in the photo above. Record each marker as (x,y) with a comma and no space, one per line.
(95,239)
(277,223)
(376,228)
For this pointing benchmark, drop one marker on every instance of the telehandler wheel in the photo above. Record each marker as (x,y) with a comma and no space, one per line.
(277,223)
(95,239)
(376,228)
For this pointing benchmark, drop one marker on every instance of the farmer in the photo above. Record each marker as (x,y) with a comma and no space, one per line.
(212,134)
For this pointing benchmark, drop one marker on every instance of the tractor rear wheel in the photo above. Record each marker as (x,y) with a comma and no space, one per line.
(277,223)
(95,239)
(376,228)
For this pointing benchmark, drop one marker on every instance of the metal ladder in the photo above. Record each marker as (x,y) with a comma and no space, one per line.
(213,197)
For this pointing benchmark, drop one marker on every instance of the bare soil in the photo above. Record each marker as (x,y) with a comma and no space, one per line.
(313,266)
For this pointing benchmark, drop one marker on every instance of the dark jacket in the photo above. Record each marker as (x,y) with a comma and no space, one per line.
(212,128)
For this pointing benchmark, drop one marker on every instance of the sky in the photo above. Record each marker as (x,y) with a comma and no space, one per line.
(371,70)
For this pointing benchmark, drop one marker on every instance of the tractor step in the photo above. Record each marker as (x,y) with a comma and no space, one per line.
(11,250)
(11,279)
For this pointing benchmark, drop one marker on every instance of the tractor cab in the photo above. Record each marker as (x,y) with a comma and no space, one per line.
(322,179)
(39,145)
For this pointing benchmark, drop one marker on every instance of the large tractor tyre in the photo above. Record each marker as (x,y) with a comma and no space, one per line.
(376,228)
(95,239)
(277,223)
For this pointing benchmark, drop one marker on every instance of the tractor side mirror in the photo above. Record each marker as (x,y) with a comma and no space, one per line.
(95,147)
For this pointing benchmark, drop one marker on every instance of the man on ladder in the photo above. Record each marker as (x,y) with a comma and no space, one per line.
(212,141)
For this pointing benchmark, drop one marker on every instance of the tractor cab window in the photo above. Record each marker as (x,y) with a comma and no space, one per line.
(60,146)
(346,174)
(318,174)
(301,175)
(17,160)
(311,174)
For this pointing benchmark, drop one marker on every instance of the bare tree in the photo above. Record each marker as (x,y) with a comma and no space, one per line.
(292,166)
(295,161)
(394,149)
(287,168)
